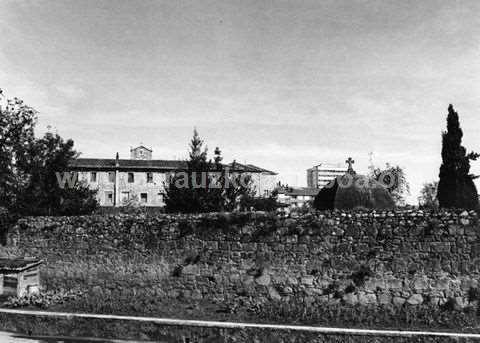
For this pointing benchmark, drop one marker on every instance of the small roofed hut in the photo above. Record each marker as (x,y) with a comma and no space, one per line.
(19,276)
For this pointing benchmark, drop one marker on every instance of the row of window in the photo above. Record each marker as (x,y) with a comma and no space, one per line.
(111,177)
(125,196)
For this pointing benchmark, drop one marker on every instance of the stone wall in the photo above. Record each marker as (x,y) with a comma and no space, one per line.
(397,258)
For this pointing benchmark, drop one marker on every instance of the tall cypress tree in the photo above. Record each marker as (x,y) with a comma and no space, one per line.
(456,188)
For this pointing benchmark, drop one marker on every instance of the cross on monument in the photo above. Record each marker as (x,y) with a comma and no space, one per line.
(350,161)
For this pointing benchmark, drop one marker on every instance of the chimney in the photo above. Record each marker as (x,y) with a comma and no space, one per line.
(117,162)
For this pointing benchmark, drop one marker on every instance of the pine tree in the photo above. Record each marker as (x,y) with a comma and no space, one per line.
(210,187)
(198,157)
(456,188)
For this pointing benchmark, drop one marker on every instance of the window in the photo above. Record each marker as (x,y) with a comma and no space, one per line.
(149,177)
(160,198)
(111,177)
(143,198)
(108,198)
(131,178)
(93,177)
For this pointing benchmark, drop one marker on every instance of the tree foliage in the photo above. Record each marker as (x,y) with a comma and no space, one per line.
(362,192)
(17,122)
(395,180)
(428,195)
(29,165)
(207,186)
(456,188)
(48,159)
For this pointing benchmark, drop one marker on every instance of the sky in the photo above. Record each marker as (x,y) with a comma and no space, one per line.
(284,85)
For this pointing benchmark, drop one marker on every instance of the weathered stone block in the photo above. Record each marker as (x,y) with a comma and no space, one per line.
(415,299)
(372,284)
(421,283)
(307,280)
(384,299)
(274,295)
(398,300)
(263,280)
(366,298)
(394,283)
(350,298)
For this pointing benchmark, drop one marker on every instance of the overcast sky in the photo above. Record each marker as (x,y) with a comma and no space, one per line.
(281,84)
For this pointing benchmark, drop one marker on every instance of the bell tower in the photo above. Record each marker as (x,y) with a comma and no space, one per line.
(141,152)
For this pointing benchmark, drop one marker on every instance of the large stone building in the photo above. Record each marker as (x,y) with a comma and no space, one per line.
(319,175)
(142,179)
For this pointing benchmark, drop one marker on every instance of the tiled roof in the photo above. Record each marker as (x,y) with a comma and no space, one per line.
(8,265)
(147,165)
(109,164)
(250,168)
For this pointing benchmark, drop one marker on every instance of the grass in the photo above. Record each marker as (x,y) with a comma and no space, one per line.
(386,317)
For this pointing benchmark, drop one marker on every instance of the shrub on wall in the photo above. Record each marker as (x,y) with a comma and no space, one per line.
(362,192)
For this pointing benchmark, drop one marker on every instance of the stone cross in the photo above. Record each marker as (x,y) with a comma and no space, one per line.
(350,162)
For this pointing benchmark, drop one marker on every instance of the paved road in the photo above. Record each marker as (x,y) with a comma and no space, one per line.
(7,337)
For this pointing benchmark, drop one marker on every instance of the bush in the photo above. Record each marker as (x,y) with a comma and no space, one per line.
(360,275)
(363,192)
(44,299)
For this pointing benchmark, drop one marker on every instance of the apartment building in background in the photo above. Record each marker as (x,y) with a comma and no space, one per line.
(320,175)
(142,178)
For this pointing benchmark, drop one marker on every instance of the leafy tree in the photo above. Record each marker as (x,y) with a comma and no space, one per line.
(428,195)
(456,188)
(29,166)
(17,122)
(47,160)
(395,180)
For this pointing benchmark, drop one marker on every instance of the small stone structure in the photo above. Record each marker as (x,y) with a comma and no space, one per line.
(19,276)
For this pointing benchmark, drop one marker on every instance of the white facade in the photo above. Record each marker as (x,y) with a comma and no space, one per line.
(119,187)
(320,175)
